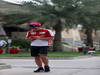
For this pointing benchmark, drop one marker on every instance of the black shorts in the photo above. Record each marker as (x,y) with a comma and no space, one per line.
(39,51)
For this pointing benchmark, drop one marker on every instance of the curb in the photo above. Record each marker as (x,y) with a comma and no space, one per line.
(52,58)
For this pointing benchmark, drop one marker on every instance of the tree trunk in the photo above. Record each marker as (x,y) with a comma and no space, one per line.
(89,39)
(57,46)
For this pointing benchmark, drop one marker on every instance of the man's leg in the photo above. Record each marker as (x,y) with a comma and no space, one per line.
(34,53)
(43,54)
(38,61)
(45,62)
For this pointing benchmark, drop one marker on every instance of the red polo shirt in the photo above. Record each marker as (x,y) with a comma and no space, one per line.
(41,32)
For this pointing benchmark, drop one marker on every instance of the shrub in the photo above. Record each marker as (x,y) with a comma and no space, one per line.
(1,51)
(21,43)
(14,50)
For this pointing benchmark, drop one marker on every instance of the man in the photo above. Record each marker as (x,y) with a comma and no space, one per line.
(39,46)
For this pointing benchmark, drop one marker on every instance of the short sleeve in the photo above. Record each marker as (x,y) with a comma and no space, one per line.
(49,33)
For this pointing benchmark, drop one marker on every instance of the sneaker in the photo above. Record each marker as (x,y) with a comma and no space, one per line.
(47,69)
(40,69)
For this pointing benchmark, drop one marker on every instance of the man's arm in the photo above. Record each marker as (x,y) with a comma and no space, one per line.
(48,36)
(29,36)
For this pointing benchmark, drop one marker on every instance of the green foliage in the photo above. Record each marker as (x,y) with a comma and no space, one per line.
(16,18)
(22,43)
(60,13)
(66,13)
(14,47)
(53,12)
(72,11)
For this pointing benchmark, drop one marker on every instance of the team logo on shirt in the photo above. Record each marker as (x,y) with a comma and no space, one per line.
(42,32)
(33,33)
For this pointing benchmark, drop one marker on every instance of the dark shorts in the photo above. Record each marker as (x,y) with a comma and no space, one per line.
(39,51)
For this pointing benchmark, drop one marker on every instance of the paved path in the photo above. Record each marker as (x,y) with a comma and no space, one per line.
(84,66)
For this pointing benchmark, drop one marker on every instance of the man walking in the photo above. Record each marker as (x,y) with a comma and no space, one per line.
(39,46)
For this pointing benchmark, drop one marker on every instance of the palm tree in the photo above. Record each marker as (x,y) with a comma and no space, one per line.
(58,14)
(90,19)
(16,18)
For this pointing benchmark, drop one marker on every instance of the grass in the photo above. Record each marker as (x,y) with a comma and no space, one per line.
(64,54)
(98,52)
(50,54)
(15,55)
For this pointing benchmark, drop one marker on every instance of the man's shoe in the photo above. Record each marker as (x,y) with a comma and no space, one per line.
(47,69)
(40,69)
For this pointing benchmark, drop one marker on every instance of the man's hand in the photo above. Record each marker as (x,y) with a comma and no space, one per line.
(40,38)
(37,37)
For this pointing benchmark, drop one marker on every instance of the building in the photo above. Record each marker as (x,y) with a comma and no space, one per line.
(9,8)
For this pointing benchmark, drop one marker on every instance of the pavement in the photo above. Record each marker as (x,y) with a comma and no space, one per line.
(5,66)
(84,65)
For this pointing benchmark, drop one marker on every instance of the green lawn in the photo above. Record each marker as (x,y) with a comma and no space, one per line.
(64,54)
(50,54)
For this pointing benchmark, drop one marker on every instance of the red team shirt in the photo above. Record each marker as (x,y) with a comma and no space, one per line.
(41,32)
